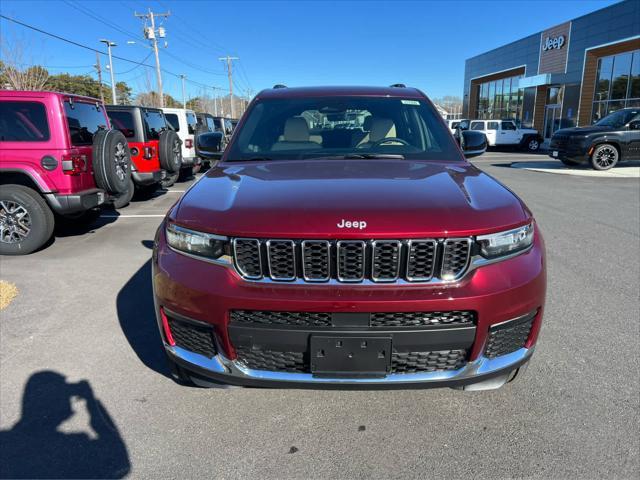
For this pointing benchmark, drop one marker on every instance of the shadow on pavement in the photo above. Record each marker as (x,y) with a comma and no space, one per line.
(137,317)
(35,447)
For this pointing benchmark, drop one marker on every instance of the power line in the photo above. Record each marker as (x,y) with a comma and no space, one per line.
(95,50)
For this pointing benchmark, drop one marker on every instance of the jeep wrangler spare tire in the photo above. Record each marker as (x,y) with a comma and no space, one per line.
(111,161)
(170,151)
(26,221)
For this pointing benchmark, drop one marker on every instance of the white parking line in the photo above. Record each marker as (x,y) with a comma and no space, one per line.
(133,216)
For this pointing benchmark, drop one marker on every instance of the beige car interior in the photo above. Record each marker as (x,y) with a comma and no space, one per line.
(381,128)
(296,136)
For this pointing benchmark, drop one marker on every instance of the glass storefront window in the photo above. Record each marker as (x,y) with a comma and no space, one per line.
(620,79)
(617,84)
(500,99)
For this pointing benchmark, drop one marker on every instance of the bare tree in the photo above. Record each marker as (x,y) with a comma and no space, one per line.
(20,74)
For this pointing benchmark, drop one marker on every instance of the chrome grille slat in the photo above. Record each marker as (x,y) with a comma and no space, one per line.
(248,258)
(421,256)
(455,257)
(352,261)
(281,258)
(385,260)
(316,260)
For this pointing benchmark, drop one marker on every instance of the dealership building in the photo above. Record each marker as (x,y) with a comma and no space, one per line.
(565,76)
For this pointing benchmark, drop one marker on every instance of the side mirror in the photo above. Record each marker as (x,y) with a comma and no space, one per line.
(471,142)
(209,144)
(634,125)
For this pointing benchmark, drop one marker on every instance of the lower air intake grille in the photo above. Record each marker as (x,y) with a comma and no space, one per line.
(195,338)
(297,362)
(418,319)
(508,337)
(297,319)
(412,362)
(377,319)
(273,361)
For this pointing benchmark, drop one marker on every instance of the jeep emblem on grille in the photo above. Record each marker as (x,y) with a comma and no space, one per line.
(359,224)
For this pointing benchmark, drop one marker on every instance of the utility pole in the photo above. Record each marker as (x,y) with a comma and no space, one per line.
(215,101)
(152,34)
(184,98)
(99,70)
(229,61)
(110,44)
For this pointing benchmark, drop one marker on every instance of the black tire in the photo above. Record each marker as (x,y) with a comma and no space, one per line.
(23,208)
(531,144)
(170,151)
(604,157)
(111,161)
(169,180)
(122,200)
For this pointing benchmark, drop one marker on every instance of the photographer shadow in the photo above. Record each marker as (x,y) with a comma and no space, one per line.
(35,447)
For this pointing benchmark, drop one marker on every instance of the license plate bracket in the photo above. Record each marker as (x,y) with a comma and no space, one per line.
(350,356)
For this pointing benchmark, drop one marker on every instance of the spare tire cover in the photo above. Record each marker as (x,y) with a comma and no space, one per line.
(111,161)
(170,151)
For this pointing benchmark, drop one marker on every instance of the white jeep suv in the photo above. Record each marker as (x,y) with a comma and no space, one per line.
(506,132)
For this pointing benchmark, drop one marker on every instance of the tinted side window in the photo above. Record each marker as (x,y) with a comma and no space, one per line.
(153,124)
(191,122)
(210,124)
(508,126)
(455,124)
(123,121)
(172,118)
(227,126)
(477,126)
(84,120)
(23,122)
(492,125)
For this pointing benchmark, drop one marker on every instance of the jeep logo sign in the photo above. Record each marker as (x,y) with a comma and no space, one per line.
(551,43)
(359,224)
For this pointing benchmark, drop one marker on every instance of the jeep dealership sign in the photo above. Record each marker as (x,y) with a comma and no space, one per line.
(551,43)
(554,45)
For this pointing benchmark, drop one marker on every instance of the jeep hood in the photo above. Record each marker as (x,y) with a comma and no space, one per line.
(308,199)
(583,130)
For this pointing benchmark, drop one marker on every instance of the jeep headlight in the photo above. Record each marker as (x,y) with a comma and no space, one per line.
(504,243)
(201,244)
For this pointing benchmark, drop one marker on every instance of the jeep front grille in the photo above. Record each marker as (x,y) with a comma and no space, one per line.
(351,261)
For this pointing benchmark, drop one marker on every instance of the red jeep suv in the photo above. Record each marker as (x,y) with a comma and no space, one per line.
(344,241)
(156,151)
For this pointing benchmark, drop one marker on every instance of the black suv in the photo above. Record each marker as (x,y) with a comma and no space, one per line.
(612,139)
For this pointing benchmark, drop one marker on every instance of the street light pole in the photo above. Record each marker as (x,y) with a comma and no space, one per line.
(184,98)
(110,44)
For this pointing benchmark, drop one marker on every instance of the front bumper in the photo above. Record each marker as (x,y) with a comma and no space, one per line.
(148,178)
(568,151)
(480,374)
(76,202)
(207,293)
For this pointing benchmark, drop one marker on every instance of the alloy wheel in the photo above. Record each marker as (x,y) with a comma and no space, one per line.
(15,222)
(120,159)
(606,157)
(533,145)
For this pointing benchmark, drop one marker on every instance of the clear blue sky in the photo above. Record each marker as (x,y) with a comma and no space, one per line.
(421,43)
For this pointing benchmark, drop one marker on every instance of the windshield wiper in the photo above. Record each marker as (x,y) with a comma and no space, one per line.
(357,156)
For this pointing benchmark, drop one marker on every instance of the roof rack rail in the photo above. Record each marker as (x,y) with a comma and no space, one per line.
(279,85)
(398,85)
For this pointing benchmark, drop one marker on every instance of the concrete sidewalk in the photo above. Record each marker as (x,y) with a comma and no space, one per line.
(626,170)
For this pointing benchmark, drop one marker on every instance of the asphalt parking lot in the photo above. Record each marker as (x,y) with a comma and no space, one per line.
(84,312)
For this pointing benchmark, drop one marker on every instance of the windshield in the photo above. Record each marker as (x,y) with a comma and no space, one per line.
(619,119)
(341,126)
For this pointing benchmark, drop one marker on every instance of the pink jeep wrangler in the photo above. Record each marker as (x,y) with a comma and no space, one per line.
(58,156)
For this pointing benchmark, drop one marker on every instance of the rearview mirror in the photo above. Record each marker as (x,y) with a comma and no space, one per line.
(471,142)
(209,144)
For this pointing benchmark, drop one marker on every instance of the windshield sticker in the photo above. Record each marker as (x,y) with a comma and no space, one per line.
(410,102)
